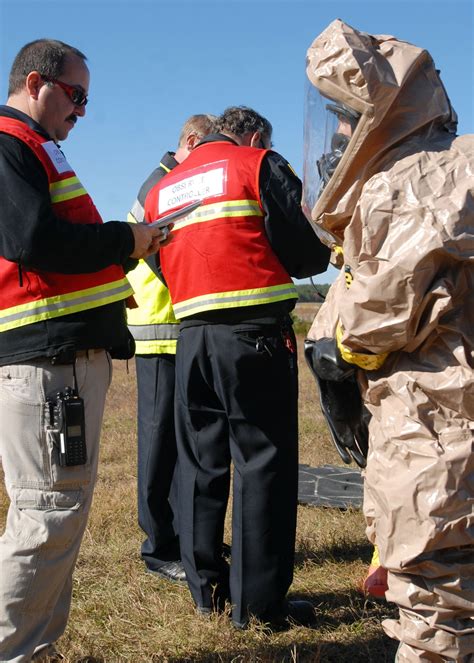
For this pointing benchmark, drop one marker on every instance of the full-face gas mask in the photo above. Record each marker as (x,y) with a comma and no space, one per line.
(340,124)
(329,126)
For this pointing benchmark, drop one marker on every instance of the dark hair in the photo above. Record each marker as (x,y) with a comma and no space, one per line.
(240,120)
(46,56)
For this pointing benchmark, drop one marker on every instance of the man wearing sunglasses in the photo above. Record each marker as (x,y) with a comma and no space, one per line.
(62,317)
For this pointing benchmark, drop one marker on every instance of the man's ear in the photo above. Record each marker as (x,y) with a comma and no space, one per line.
(256,139)
(191,141)
(33,84)
(248,139)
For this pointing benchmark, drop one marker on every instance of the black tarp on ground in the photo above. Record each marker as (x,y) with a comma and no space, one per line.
(331,486)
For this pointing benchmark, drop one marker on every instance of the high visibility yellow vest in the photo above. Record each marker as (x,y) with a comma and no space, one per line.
(153,324)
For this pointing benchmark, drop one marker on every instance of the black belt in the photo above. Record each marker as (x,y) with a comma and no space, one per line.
(69,356)
(272,321)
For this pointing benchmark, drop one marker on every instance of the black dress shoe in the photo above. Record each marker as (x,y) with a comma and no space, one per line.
(48,653)
(219,601)
(299,613)
(173,571)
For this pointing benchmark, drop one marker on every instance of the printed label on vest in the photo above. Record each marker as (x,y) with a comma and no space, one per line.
(57,157)
(198,184)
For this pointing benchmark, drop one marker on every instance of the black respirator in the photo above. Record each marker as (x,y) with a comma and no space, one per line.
(329,161)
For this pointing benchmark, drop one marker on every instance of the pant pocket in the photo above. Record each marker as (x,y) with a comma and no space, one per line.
(44,518)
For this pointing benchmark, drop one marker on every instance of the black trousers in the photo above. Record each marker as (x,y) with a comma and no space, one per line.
(157,455)
(236,401)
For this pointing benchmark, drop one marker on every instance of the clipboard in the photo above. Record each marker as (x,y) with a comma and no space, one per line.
(173,216)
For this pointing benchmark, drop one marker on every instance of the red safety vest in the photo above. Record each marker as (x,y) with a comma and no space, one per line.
(47,295)
(219,256)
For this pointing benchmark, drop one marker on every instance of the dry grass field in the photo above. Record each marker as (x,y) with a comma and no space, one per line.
(120,614)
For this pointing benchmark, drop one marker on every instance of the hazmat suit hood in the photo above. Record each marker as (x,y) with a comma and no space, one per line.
(397,91)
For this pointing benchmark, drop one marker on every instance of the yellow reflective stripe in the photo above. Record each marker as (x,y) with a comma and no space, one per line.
(162,165)
(61,184)
(161,331)
(233,299)
(53,307)
(229,208)
(155,347)
(66,189)
(367,362)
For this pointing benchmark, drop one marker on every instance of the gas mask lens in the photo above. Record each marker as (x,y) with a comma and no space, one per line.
(314,140)
(329,126)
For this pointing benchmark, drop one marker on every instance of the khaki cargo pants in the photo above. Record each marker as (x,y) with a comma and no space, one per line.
(49,504)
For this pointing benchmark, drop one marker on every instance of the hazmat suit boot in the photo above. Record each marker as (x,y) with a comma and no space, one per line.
(407,654)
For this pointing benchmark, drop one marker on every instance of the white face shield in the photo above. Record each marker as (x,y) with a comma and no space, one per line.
(328,127)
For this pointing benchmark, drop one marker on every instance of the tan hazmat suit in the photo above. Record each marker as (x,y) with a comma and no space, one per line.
(401,205)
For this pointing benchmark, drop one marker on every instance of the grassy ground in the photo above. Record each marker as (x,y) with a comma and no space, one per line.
(120,614)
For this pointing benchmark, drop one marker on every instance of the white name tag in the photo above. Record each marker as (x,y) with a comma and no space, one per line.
(195,187)
(58,159)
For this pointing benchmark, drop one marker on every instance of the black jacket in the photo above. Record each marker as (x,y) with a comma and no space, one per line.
(32,236)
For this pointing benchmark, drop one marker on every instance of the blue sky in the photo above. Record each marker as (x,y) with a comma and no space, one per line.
(155,62)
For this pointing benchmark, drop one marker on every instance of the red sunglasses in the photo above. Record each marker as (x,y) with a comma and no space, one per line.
(75,93)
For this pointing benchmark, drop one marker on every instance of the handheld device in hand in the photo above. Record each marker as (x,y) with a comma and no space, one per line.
(174,216)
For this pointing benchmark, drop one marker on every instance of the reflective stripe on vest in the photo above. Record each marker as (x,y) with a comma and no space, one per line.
(227,209)
(72,302)
(220,300)
(156,347)
(160,332)
(66,189)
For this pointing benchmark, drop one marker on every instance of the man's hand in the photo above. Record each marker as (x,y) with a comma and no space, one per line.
(147,240)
